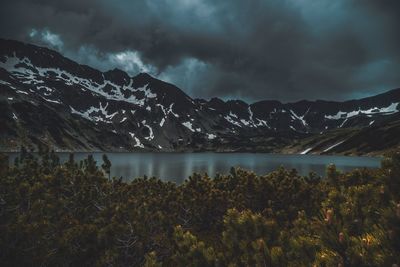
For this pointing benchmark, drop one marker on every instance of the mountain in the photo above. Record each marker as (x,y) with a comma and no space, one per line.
(46,98)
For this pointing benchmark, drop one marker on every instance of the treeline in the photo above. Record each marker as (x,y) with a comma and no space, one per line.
(74,214)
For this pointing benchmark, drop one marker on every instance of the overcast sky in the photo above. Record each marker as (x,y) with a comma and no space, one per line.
(273,49)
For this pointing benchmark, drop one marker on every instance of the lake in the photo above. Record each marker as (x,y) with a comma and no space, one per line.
(178,166)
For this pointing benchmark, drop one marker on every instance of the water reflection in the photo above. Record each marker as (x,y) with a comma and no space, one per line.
(178,166)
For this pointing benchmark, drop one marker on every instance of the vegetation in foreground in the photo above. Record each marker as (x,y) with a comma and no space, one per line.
(74,214)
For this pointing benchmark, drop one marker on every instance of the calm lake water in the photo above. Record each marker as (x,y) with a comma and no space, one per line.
(178,166)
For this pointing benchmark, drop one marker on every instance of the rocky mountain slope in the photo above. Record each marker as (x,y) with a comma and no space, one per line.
(46,98)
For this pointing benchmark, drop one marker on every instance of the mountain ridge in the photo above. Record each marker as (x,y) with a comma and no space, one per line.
(49,99)
(5,44)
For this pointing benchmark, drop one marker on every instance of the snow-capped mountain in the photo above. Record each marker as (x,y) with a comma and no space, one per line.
(47,98)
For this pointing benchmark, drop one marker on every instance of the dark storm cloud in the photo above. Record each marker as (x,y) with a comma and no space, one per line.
(282,49)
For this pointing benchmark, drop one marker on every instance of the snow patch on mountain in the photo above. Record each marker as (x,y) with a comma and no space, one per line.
(151,134)
(95,114)
(137,141)
(343,123)
(262,123)
(170,111)
(162,122)
(333,146)
(392,108)
(189,125)
(306,151)
(300,118)
(231,120)
(211,136)
(52,101)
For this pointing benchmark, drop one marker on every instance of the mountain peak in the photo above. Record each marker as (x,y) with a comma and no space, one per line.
(117,75)
(144,75)
(115,70)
